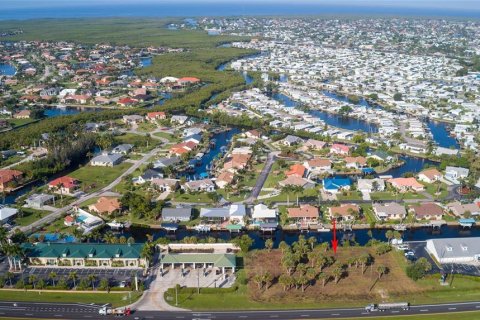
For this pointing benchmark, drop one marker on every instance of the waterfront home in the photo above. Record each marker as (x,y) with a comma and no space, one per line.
(430,175)
(176,214)
(296,170)
(380,155)
(406,184)
(106,160)
(10,179)
(304,215)
(441,151)
(37,201)
(234,214)
(64,185)
(204,185)
(224,178)
(165,185)
(179,119)
(262,215)
(317,166)
(166,162)
(462,209)
(154,116)
(86,221)
(182,148)
(123,149)
(195,138)
(236,161)
(334,185)
(455,250)
(389,211)
(253,134)
(455,174)
(84,255)
(188,81)
(7,214)
(426,211)
(355,162)
(106,205)
(192,131)
(23,114)
(370,185)
(132,119)
(291,141)
(295,180)
(413,148)
(344,212)
(340,149)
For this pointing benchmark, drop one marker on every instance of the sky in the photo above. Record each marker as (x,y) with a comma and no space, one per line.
(447,4)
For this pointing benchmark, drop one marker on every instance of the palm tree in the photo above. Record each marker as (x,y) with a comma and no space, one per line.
(364,259)
(285,281)
(296,191)
(12,251)
(381,270)
(321,262)
(269,244)
(258,279)
(311,275)
(351,261)
(59,187)
(389,235)
(289,263)
(287,189)
(33,280)
(268,279)
(283,246)
(73,276)
(312,241)
(92,278)
(324,277)
(9,276)
(302,281)
(52,276)
(337,273)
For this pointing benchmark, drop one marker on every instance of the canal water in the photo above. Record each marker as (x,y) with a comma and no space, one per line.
(411,164)
(68,111)
(222,141)
(359,236)
(441,135)
(7,69)
(145,62)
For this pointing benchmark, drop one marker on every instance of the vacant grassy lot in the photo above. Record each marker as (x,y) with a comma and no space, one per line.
(29,216)
(116,299)
(95,178)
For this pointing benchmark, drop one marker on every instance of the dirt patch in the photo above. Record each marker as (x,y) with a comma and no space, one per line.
(354,285)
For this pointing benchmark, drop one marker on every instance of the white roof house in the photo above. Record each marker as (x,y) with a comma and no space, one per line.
(235,212)
(261,211)
(6,213)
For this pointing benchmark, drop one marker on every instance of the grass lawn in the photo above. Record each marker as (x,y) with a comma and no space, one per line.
(116,299)
(188,197)
(276,174)
(20,122)
(88,202)
(167,136)
(307,194)
(139,141)
(29,216)
(232,197)
(94,178)
(434,188)
(251,177)
(353,195)
(58,227)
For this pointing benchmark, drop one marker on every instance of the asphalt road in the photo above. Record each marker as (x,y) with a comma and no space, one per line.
(263,176)
(40,310)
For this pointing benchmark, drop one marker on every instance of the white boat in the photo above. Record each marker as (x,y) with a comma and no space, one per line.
(400,227)
(323,229)
(202,228)
(115,225)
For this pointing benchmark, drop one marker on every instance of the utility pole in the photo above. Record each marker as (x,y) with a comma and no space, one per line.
(198,281)
(176,296)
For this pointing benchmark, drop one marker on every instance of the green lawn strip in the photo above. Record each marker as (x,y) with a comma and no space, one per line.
(115,298)
(167,136)
(29,216)
(94,178)
(468,315)
(306,195)
(190,197)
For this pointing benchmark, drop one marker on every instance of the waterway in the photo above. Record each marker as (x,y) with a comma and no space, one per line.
(411,164)
(67,111)
(359,236)
(222,141)
(441,134)
(7,69)
(146,62)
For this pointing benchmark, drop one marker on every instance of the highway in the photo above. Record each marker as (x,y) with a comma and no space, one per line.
(39,310)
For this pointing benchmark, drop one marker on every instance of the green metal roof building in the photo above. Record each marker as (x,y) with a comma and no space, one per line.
(216,260)
(85,254)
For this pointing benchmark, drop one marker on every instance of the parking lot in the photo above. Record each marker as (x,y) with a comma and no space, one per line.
(467,269)
(418,247)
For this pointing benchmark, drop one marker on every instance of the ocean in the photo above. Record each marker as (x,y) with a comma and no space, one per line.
(184,9)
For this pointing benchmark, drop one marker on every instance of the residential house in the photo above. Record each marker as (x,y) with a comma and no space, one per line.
(304,215)
(123,149)
(312,144)
(154,116)
(148,176)
(233,214)
(295,180)
(455,174)
(291,140)
(23,114)
(224,178)
(340,149)
(37,201)
(460,209)
(166,185)
(64,185)
(262,215)
(317,166)
(204,185)
(355,162)
(106,160)
(132,119)
(10,179)
(334,185)
(296,170)
(380,156)
(179,119)
(427,211)
(406,184)
(7,214)
(166,162)
(236,161)
(176,214)
(430,175)
(370,185)
(389,211)
(344,212)
(253,134)
(106,205)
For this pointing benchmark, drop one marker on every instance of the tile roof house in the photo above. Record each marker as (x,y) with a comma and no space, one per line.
(65,185)
(106,205)
(430,175)
(427,211)
(459,209)
(304,214)
(224,178)
(297,181)
(312,144)
(10,179)
(154,116)
(389,211)
(166,185)
(344,212)
(205,185)
(340,149)
(297,170)
(355,162)
(406,184)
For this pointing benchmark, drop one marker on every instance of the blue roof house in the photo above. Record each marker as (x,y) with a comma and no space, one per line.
(334,185)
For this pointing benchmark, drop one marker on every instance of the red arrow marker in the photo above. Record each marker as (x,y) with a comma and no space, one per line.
(334,241)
